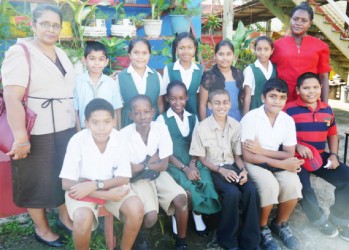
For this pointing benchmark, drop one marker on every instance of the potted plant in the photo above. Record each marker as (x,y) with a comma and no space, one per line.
(180,16)
(152,26)
(117,51)
(213,23)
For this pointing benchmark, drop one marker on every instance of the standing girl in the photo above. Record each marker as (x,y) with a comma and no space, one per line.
(185,169)
(138,78)
(222,76)
(185,47)
(299,53)
(258,73)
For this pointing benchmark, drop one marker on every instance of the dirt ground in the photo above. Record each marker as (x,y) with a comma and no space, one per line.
(310,238)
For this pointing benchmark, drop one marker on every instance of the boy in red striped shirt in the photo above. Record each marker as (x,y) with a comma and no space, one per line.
(315,125)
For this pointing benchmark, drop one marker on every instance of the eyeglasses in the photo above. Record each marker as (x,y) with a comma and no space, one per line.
(47,26)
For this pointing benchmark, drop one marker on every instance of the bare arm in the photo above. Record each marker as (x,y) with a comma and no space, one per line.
(333,147)
(325,87)
(254,147)
(13,96)
(247,99)
(291,164)
(203,97)
(77,123)
(190,171)
(118,119)
(161,104)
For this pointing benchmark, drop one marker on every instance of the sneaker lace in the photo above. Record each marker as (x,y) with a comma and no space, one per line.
(266,235)
(286,232)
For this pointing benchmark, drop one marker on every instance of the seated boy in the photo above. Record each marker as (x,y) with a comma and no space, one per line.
(315,124)
(273,171)
(96,165)
(148,139)
(93,83)
(216,142)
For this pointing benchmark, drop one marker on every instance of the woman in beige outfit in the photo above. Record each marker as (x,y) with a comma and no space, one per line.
(36,163)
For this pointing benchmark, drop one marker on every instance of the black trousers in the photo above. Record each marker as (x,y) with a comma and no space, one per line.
(233,197)
(339,177)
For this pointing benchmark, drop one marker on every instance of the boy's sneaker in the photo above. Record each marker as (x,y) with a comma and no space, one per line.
(285,234)
(344,232)
(267,240)
(328,229)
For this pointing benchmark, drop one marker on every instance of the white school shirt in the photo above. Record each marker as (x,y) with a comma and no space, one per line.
(256,125)
(85,91)
(141,81)
(158,139)
(186,74)
(249,76)
(84,160)
(183,126)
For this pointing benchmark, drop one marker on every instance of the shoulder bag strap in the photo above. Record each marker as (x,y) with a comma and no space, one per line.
(27,57)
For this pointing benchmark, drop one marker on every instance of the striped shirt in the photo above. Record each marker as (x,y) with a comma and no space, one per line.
(312,126)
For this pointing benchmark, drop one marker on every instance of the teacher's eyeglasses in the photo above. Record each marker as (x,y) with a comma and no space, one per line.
(47,26)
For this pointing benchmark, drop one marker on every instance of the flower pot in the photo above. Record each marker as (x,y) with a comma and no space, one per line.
(211,39)
(152,28)
(179,23)
(123,28)
(95,28)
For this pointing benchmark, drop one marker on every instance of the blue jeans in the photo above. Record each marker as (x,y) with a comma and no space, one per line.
(339,177)
(233,197)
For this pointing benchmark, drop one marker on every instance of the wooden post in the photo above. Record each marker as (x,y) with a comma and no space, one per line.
(228,19)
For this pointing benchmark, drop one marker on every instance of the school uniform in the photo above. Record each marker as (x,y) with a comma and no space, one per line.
(255,76)
(163,189)
(84,160)
(203,195)
(191,77)
(132,84)
(219,147)
(85,90)
(279,186)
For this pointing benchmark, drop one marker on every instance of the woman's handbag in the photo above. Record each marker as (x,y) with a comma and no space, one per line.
(6,140)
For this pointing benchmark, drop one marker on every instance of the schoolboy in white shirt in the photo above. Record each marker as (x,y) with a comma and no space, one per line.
(96,168)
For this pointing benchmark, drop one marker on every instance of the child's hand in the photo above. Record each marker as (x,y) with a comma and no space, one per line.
(243,177)
(304,151)
(137,167)
(253,146)
(292,164)
(115,74)
(82,189)
(192,173)
(117,193)
(229,175)
(334,161)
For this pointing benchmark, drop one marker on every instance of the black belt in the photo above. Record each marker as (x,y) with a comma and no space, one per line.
(49,102)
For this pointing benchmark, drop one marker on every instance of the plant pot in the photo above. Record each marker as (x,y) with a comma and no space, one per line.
(179,23)
(152,28)
(123,61)
(95,28)
(123,28)
(211,39)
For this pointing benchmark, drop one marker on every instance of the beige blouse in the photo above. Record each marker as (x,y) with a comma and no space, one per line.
(46,82)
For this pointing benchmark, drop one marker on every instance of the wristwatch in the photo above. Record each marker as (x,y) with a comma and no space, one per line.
(100,184)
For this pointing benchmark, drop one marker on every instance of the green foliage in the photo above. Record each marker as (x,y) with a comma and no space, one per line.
(157,7)
(240,41)
(119,11)
(181,8)
(166,51)
(214,22)
(115,47)
(207,54)
(137,20)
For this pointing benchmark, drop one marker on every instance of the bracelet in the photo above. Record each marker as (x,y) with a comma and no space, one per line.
(22,144)
(183,167)
(331,153)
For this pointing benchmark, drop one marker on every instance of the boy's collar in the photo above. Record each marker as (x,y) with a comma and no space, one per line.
(214,124)
(320,104)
